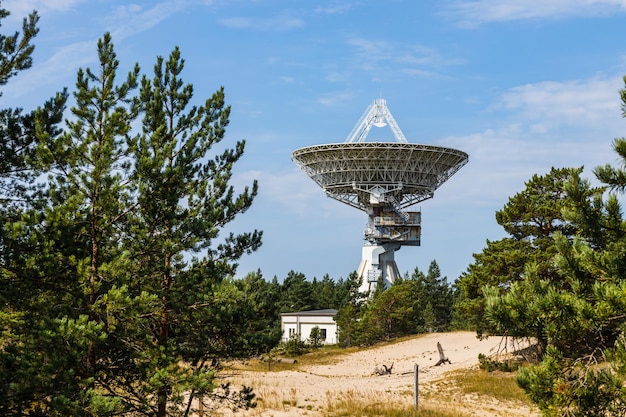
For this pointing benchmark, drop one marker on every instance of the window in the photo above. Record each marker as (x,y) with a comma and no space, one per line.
(323,334)
(292,331)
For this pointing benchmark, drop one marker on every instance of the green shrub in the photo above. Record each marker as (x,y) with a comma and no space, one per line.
(315,338)
(488,364)
(294,346)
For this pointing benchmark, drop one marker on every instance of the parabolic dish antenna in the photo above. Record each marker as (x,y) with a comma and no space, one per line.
(384,179)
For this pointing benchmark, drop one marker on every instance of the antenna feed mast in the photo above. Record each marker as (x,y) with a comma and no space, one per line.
(377,114)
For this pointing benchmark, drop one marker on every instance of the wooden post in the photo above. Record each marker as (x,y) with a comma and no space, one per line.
(416,385)
(442,356)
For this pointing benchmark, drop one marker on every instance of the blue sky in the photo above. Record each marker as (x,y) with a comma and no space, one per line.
(520,86)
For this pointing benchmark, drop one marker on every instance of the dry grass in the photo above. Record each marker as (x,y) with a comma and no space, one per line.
(273,398)
(261,365)
(494,393)
(377,404)
(461,393)
(345,404)
(326,355)
(499,385)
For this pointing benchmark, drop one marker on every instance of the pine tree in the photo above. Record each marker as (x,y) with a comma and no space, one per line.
(95,160)
(325,293)
(184,201)
(577,311)
(22,299)
(438,295)
(296,293)
(389,313)
(260,324)
(18,139)
(349,312)
(532,218)
(128,303)
(77,258)
(17,129)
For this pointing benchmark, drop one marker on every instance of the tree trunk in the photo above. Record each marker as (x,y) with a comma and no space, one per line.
(164,327)
(93,275)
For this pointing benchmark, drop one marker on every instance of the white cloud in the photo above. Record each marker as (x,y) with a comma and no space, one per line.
(287,79)
(546,124)
(60,68)
(53,74)
(337,77)
(592,103)
(375,50)
(333,10)
(377,57)
(290,191)
(334,99)
(295,191)
(20,8)
(472,13)
(278,23)
(131,19)
(121,21)
(284,21)
(500,161)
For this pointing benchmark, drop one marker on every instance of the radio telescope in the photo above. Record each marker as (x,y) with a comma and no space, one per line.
(385,180)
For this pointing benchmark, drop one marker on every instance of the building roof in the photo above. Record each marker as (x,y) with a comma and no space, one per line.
(325,312)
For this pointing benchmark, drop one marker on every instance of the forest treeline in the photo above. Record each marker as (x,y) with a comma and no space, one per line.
(417,303)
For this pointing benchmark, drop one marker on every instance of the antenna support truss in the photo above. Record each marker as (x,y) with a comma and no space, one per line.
(377,114)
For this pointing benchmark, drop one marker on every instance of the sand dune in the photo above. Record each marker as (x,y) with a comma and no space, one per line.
(311,390)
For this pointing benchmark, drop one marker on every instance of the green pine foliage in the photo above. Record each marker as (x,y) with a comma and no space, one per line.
(315,339)
(296,293)
(569,295)
(117,292)
(261,326)
(16,50)
(532,218)
(17,128)
(416,304)
(28,366)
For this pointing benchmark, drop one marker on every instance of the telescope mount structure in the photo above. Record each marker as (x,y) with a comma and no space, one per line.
(383,179)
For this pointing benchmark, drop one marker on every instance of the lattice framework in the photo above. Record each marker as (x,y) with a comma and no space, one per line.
(351,172)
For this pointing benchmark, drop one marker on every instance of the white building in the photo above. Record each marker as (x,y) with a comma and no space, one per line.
(301,322)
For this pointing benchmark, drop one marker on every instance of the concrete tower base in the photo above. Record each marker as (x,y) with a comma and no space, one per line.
(378,263)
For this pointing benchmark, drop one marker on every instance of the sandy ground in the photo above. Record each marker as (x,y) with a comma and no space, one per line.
(312,390)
